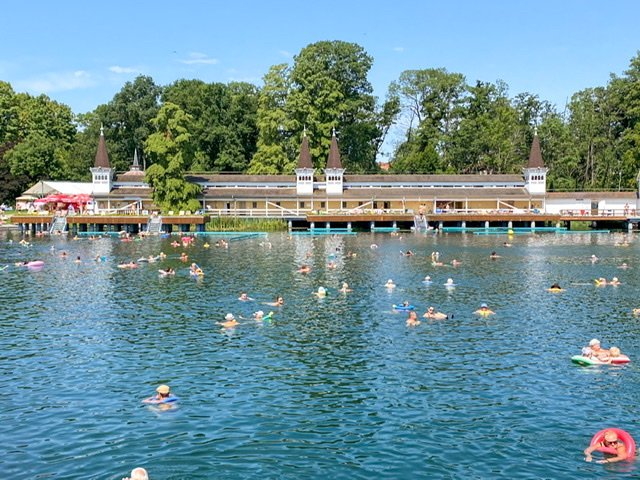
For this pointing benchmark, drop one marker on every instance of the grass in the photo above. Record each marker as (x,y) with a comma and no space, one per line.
(231,224)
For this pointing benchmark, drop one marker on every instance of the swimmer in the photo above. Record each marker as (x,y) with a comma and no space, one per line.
(615,282)
(427,279)
(345,288)
(624,266)
(63,254)
(586,352)
(259,315)
(184,257)
(408,253)
(412,319)
(449,283)
(594,259)
(636,311)
(304,269)
(244,297)
(138,473)
(494,255)
(431,313)
(77,260)
(610,440)
(506,244)
(390,284)
(321,293)
(229,321)
(163,393)
(373,246)
(599,352)
(331,265)
(168,271)
(555,288)
(484,310)
(277,303)
(601,281)
(131,264)
(455,262)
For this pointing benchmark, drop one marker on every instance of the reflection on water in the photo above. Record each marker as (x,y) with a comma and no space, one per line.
(334,387)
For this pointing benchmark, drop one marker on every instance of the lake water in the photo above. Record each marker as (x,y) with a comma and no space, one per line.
(335,388)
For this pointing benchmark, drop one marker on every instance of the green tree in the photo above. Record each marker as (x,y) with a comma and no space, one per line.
(224,124)
(432,101)
(171,149)
(128,119)
(275,152)
(486,137)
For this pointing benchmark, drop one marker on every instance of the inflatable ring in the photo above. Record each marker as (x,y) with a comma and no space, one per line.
(624,437)
(35,264)
(158,402)
(403,307)
(587,361)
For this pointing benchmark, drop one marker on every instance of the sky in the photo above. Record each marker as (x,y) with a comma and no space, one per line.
(81,53)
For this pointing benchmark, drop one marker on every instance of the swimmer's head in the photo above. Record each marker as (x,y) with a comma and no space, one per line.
(594,342)
(229,317)
(484,305)
(610,436)
(614,352)
(163,389)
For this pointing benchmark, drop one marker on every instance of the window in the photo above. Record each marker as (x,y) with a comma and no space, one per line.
(254,205)
(323,204)
(301,204)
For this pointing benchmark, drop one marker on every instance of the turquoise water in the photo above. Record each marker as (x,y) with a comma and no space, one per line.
(333,388)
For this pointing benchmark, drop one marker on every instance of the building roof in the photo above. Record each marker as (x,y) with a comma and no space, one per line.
(46,187)
(379,194)
(304,161)
(102,157)
(334,153)
(535,155)
(602,195)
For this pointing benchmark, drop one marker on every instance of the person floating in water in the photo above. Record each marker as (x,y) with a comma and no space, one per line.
(484,310)
(279,301)
(229,321)
(412,319)
(163,395)
(610,440)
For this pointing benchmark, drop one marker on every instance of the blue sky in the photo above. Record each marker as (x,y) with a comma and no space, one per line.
(81,53)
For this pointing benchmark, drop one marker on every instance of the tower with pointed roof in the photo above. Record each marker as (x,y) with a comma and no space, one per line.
(304,170)
(535,173)
(334,173)
(101,172)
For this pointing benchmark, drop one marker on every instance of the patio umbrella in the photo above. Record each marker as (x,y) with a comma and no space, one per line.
(82,198)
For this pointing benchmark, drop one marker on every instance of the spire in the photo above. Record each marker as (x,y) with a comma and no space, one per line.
(102,157)
(305,155)
(136,165)
(535,156)
(334,153)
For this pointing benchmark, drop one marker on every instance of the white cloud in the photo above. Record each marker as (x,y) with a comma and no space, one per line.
(57,82)
(398,49)
(197,58)
(119,69)
(284,53)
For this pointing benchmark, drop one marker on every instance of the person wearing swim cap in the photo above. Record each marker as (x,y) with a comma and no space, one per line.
(163,393)
(610,440)
(229,321)
(484,310)
(138,473)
